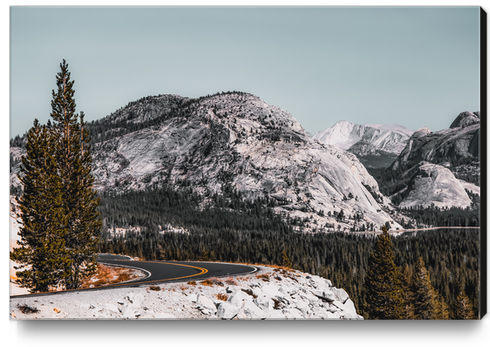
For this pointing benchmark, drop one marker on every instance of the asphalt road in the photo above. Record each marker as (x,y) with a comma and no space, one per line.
(164,271)
(167,271)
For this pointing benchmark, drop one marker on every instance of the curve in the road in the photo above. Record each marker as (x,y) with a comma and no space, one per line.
(166,271)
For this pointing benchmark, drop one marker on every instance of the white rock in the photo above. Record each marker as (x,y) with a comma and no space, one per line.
(192,297)
(274,315)
(238,298)
(226,310)
(206,303)
(293,313)
(303,307)
(112,307)
(340,294)
(130,311)
(348,309)
(264,302)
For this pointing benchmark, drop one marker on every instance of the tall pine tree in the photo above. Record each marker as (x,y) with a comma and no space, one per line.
(382,286)
(74,166)
(59,217)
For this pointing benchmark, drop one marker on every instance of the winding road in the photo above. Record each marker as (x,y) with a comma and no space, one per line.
(163,271)
(166,271)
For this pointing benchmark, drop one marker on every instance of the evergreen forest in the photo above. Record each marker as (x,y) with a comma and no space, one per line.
(232,229)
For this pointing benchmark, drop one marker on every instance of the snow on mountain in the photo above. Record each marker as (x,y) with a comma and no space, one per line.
(392,127)
(367,141)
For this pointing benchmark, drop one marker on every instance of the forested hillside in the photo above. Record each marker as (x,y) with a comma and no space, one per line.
(257,235)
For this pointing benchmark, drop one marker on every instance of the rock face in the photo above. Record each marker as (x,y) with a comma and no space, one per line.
(233,141)
(434,185)
(440,166)
(454,145)
(270,294)
(375,145)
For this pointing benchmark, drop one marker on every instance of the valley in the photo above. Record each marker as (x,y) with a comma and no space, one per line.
(230,178)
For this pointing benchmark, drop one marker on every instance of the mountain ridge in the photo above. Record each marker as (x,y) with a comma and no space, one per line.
(235,141)
(375,145)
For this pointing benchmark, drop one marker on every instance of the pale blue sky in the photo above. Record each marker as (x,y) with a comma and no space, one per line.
(416,66)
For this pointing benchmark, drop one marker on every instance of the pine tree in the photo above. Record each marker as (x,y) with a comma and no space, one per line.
(74,167)
(382,285)
(285,259)
(42,251)
(59,217)
(427,305)
(464,308)
(407,283)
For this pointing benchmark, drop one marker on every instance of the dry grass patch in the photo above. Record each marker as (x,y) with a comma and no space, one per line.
(192,283)
(107,275)
(27,309)
(231,281)
(263,277)
(222,297)
(249,292)
(155,288)
(212,281)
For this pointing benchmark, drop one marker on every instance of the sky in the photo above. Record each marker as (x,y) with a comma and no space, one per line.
(415,66)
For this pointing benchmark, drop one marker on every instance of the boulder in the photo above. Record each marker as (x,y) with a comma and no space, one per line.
(340,294)
(348,310)
(226,310)
(250,311)
(205,303)
(326,295)
(238,298)
(303,307)
(264,302)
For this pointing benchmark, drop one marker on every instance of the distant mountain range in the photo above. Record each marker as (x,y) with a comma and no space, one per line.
(236,144)
(375,145)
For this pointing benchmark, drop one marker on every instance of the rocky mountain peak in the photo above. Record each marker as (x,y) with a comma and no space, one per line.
(375,145)
(465,119)
(424,131)
(236,143)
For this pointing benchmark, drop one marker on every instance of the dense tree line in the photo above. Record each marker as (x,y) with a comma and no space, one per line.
(435,216)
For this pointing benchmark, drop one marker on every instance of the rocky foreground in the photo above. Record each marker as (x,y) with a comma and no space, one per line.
(270,293)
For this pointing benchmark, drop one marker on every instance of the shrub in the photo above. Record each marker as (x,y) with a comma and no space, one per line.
(249,292)
(264,277)
(155,288)
(222,297)
(231,281)
(207,282)
(27,309)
